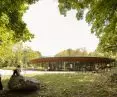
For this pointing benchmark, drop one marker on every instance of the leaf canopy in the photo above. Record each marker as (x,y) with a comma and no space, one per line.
(101,15)
(11,12)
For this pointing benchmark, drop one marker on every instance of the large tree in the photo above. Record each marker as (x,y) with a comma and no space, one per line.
(101,15)
(12,26)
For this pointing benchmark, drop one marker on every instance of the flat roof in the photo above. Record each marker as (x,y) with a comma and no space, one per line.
(73,59)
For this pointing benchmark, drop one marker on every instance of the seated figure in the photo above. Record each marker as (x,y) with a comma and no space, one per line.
(17,71)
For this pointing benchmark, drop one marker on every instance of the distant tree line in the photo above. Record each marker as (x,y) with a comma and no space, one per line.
(75,53)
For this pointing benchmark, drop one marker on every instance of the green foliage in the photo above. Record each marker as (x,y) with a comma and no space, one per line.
(70,52)
(23,54)
(83,52)
(12,29)
(13,55)
(11,23)
(102,15)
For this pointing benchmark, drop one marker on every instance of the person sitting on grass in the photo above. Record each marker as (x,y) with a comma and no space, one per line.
(17,71)
(1,87)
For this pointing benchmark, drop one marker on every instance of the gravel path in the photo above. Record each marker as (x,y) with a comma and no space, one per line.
(10,72)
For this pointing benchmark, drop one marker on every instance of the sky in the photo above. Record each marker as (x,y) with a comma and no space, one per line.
(54,32)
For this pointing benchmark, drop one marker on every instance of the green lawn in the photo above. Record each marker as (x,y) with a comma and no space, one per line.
(70,85)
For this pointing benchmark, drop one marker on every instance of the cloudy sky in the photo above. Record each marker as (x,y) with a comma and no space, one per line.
(54,32)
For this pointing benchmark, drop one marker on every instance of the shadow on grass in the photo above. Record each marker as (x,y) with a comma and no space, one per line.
(8,93)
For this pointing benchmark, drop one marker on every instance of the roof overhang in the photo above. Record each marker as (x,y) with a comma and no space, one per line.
(73,59)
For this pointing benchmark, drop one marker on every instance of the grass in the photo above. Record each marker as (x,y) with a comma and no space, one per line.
(64,85)
(70,85)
